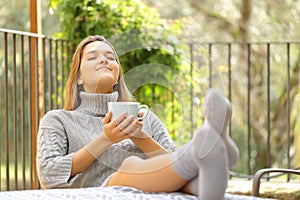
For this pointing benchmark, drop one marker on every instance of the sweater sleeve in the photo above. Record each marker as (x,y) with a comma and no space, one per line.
(161,134)
(53,161)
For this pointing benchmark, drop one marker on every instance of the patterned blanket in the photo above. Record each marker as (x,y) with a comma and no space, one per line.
(104,193)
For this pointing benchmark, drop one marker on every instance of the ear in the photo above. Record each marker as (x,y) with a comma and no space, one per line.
(79,80)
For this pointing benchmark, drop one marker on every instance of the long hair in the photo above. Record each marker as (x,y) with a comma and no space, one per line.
(72,88)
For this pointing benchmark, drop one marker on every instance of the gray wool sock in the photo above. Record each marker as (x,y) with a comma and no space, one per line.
(193,185)
(218,112)
(210,153)
(232,150)
(204,160)
(206,154)
(183,164)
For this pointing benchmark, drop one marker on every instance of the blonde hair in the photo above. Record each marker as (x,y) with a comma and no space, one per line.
(72,88)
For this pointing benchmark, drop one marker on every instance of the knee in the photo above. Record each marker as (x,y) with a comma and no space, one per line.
(129,162)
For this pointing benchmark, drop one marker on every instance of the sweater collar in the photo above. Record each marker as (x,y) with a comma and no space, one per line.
(95,104)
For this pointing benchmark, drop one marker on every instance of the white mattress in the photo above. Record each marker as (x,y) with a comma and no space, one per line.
(103,193)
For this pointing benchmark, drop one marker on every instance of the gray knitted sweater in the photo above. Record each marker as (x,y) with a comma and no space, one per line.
(61,133)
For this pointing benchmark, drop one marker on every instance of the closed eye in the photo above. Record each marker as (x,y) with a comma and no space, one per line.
(110,58)
(92,58)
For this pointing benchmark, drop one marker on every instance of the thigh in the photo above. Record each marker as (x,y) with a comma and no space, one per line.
(154,174)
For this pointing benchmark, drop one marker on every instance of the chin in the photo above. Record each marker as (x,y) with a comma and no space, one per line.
(106,83)
(108,78)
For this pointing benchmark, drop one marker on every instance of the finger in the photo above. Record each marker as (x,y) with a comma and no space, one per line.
(132,127)
(107,117)
(141,114)
(126,122)
(121,118)
(137,133)
(139,124)
(115,123)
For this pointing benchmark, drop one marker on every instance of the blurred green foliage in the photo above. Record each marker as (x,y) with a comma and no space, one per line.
(143,41)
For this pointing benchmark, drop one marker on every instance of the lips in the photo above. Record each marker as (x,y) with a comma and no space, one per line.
(105,68)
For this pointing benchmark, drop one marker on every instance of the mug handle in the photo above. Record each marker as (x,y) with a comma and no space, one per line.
(145,114)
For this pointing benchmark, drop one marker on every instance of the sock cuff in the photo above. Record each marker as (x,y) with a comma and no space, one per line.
(183,163)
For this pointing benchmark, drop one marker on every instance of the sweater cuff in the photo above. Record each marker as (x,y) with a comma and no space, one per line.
(58,177)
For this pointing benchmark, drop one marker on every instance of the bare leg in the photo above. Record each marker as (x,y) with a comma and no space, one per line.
(188,189)
(153,175)
(191,187)
(207,151)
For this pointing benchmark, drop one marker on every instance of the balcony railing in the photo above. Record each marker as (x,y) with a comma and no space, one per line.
(260,79)
(32,75)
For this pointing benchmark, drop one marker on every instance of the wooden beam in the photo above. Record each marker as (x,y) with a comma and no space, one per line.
(35,27)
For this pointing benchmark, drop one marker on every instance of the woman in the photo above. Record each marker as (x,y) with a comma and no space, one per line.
(80,146)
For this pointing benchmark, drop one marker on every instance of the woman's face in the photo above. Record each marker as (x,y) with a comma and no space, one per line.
(99,69)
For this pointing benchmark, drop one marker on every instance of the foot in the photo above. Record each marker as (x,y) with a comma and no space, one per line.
(218,112)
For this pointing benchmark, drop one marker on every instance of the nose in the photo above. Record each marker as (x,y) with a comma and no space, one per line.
(103,60)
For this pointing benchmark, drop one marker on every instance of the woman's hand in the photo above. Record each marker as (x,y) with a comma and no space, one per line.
(123,127)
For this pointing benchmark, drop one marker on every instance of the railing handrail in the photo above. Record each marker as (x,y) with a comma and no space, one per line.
(244,42)
(29,34)
(22,33)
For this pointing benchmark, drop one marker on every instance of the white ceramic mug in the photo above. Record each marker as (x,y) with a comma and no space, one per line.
(132,108)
